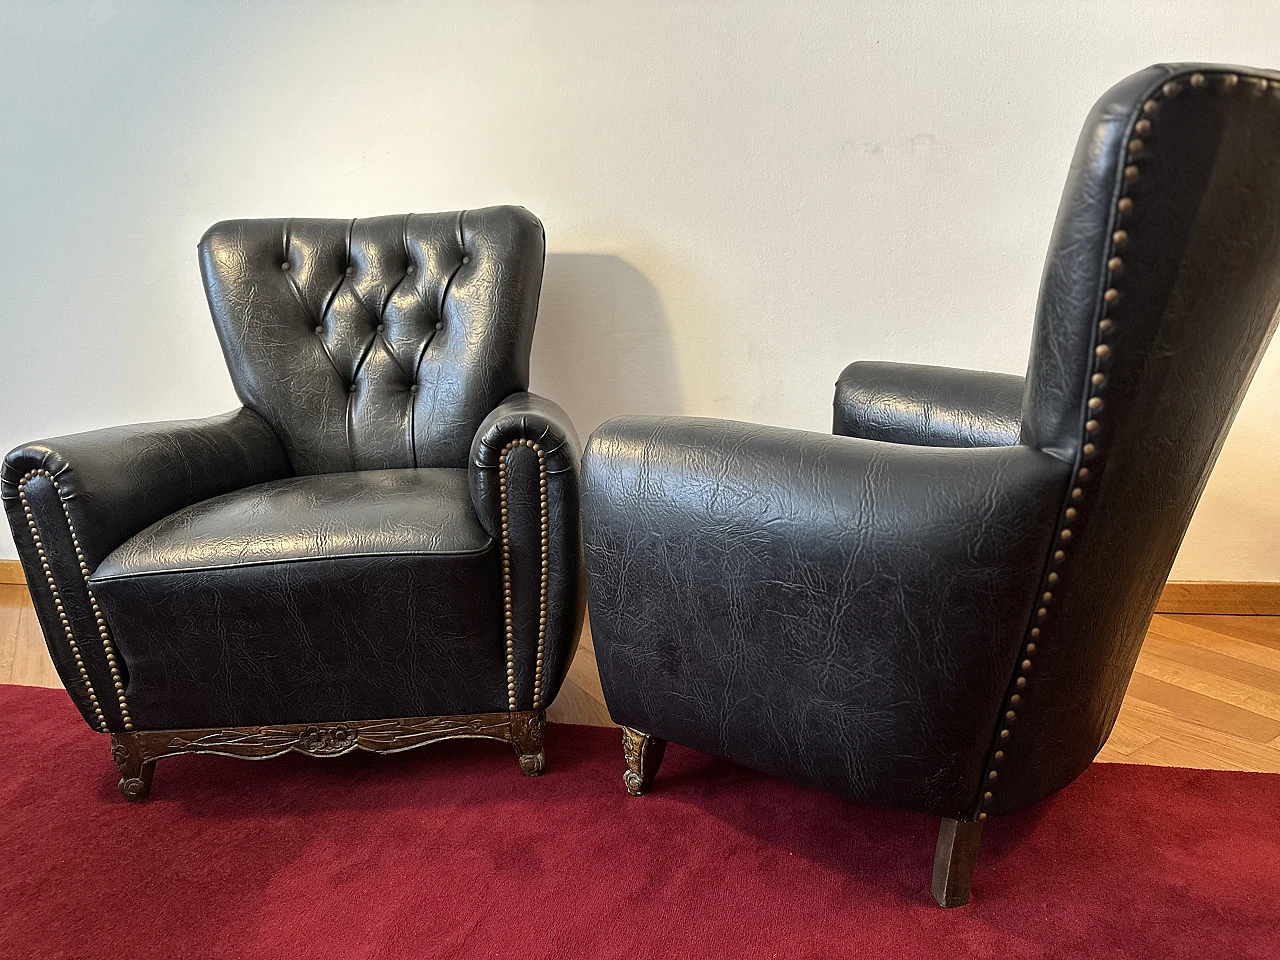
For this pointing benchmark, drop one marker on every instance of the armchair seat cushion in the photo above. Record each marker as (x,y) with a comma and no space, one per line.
(341,596)
(302,519)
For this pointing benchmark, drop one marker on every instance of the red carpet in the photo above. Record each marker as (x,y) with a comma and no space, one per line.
(449,852)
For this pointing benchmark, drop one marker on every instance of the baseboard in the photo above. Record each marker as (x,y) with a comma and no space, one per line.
(1250,597)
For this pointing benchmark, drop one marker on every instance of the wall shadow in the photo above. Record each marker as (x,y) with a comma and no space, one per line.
(603,345)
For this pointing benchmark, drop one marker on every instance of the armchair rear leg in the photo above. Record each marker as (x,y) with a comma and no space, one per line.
(953,861)
(135,770)
(526,737)
(643,753)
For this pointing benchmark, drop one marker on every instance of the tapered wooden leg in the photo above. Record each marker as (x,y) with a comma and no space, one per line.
(135,770)
(526,737)
(953,861)
(643,753)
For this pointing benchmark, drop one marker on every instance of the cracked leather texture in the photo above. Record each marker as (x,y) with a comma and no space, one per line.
(928,406)
(114,483)
(1197,292)
(323,553)
(820,607)
(527,416)
(347,638)
(866,615)
(377,343)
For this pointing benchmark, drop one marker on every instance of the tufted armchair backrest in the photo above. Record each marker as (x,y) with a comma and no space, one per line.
(378,343)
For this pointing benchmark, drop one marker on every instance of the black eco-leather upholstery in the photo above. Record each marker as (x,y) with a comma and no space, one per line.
(928,406)
(398,334)
(940,610)
(335,550)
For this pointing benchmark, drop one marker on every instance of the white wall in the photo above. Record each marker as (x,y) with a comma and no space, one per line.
(740,198)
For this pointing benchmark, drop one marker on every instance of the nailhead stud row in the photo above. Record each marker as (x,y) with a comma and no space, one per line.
(508,616)
(1135,149)
(103,633)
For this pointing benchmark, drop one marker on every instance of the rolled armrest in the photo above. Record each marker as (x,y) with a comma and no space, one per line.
(894,580)
(928,406)
(74,499)
(524,487)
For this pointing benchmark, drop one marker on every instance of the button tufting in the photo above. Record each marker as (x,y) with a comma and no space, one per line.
(439,326)
(319,329)
(410,269)
(413,388)
(381,327)
(285,265)
(466,260)
(350,270)
(351,388)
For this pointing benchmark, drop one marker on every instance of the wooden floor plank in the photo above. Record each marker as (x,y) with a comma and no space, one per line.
(576,705)
(1205,711)
(1260,630)
(1216,643)
(1219,665)
(13,600)
(1183,744)
(1124,740)
(1193,678)
(31,663)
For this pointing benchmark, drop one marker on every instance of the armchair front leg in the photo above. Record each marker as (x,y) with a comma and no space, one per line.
(524,488)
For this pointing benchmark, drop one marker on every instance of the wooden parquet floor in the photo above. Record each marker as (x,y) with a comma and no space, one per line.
(1206,692)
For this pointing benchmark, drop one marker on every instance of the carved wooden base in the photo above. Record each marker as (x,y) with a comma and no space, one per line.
(643,753)
(953,861)
(136,753)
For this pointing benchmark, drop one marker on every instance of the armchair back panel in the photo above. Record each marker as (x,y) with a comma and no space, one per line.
(1158,299)
(379,343)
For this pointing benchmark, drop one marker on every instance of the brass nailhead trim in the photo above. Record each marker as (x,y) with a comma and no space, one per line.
(1095,403)
(508,616)
(101,622)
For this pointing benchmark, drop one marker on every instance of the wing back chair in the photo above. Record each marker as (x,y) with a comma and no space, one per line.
(378,550)
(939,608)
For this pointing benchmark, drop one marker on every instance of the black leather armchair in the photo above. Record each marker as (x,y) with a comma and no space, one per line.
(939,608)
(379,550)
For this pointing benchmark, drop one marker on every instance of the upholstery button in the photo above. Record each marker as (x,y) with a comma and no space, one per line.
(381,327)
(350,270)
(352,388)
(410,269)
(439,326)
(319,329)
(466,259)
(285,265)
(414,388)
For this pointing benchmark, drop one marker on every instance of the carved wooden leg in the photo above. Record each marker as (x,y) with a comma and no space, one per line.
(643,753)
(953,861)
(526,737)
(135,771)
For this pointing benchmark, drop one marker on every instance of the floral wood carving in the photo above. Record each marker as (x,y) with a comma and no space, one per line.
(136,752)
